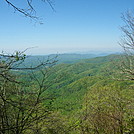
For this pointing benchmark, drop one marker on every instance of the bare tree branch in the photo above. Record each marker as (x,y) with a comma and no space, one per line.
(126,63)
(30,11)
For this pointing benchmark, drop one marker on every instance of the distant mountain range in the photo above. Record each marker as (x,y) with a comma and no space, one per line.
(64,58)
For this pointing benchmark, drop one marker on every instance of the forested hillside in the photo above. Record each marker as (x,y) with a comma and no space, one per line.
(67,98)
(72,81)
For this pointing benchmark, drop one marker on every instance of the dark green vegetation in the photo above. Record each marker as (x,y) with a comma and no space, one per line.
(67,98)
(73,80)
(91,99)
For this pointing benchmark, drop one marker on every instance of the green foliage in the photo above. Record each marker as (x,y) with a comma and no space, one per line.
(108,109)
(75,98)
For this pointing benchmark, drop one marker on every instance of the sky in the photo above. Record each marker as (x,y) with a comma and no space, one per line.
(74,26)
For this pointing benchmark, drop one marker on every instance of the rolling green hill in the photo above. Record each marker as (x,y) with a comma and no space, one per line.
(73,97)
(70,82)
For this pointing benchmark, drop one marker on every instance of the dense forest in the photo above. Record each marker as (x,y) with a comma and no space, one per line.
(87,96)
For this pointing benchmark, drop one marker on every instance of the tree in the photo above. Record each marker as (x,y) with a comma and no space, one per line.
(108,109)
(126,63)
(22,101)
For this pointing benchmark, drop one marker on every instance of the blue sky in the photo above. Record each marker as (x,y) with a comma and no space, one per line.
(75,26)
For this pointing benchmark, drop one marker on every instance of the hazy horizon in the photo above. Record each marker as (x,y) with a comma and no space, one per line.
(34,51)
